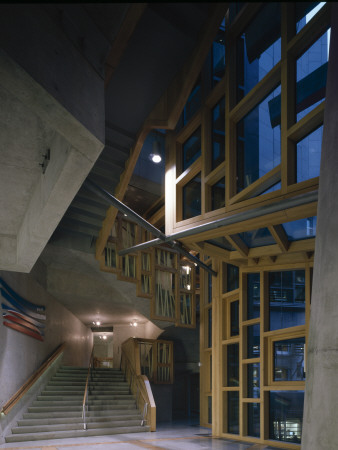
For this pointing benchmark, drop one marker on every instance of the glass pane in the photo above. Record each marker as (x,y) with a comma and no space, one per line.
(253,296)
(186,309)
(232,277)
(210,373)
(218,194)
(110,255)
(259,48)
(146,284)
(165,294)
(308,155)
(129,266)
(234,318)
(286,416)
(191,149)
(145,260)
(289,360)
(253,341)
(305,11)
(186,277)
(128,231)
(218,134)
(209,328)
(192,198)
(192,106)
(253,419)
(218,55)
(301,229)
(257,238)
(287,299)
(258,141)
(209,409)
(253,375)
(233,412)
(209,287)
(311,76)
(233,364)
(165,258)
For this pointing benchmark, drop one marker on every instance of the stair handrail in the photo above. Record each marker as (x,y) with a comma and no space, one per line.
(85,395)
(31,380)
(139,384)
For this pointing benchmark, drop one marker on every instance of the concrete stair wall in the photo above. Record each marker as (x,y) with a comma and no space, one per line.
(57,411)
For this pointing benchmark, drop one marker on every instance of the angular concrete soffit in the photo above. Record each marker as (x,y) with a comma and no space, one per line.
(74,150)
(166,112)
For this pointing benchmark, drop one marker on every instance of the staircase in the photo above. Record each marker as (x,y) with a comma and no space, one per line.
(57,411)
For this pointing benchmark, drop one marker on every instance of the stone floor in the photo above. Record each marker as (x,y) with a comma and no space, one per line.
(174,436)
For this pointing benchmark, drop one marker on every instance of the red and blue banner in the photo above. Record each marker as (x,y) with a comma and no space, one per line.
(20,314)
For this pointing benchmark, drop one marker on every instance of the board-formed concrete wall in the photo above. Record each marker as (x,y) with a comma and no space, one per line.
(321,389)
(21,355)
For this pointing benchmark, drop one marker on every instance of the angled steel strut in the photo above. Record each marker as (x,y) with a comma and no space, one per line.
(161,237)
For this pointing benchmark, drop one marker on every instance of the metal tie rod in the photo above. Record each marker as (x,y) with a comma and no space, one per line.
(98,190)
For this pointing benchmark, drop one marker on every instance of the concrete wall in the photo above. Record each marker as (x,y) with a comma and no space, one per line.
(21,355)
(321,390)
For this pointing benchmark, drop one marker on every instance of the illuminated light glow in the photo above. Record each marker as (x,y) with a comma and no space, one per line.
(188,287)
(98,323)
(156,158)
(104,337)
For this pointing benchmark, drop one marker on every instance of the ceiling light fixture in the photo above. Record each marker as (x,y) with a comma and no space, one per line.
(104,337)
(133,323)
(156,155)
(98,323)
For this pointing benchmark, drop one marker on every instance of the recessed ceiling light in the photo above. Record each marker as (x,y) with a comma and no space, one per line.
(98,323)
(156,158)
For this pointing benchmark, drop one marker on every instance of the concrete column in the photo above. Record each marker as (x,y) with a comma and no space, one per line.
(321,394)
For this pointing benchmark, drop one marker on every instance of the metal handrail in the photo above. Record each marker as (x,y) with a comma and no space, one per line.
(85,395)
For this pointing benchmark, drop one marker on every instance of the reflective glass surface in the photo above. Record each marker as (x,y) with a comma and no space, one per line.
(257,238)
(258,141)
(218,194)
(234,318)
(191,149)
(218,55)
(209,328)
(209,409)
(232,277)
(192,198)
(287,299)
(311,76)
(218,134)
(253,419)
(233,365)
(308,155)
(288,358)
(192,106)
(304,11)
(233,412)
(286,416)
(209,287)
(253,296)
(253,377)
(259,48)
(253,341)
(301,229)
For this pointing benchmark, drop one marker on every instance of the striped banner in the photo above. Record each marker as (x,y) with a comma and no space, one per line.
(20,314)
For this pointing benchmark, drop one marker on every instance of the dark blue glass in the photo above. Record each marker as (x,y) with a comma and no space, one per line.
(218,134)
(304,12)
(253,419)
(258,49)
(259,141)
(253,296)
(233,365)
(192,198)
(209,328)
(287,299)
(286,416)
(233,412)
(257,238)
(218,194)
(289,360)
(253,341)
(209,409)
(308,155)
(253,377)
(218,55)
(234,318)
(191,149)
(311,76)
(301,229)
(232,277)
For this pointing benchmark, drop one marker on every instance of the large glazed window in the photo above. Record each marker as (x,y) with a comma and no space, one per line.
(192,198)
(288,355)
(191,149)
(258,48)
(258,141)
(218,134)
(308,155)
(286,416)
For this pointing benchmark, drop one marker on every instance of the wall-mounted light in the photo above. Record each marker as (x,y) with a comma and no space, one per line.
(133,324)
(104,337)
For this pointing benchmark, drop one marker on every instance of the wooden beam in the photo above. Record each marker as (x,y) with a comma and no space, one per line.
(239,245)
(279,235)
(132,18)
(166,112)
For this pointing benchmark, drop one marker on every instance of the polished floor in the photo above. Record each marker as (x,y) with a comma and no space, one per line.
(174,436)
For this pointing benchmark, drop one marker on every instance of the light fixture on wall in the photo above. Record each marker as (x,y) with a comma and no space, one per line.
(104,337)
(133,323)
(155,156)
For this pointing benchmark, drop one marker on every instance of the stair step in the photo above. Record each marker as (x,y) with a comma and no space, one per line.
(36,409)
(78,414)
(95,419)
(66,403)
(67,398)
(75,433)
